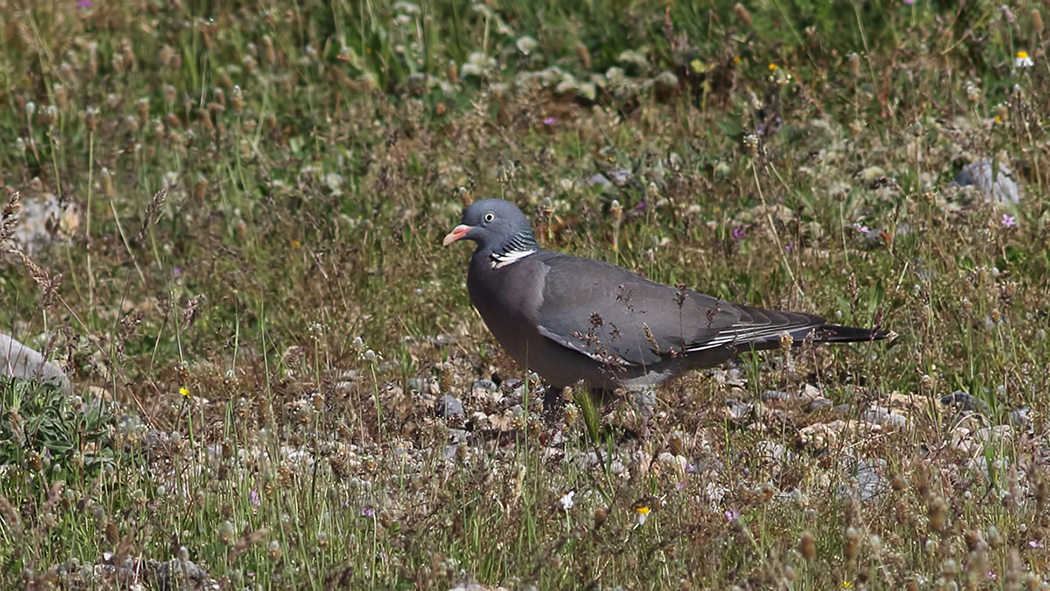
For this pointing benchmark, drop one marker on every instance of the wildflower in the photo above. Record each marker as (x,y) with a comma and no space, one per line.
(849,584)
(1009,221)
(642,513)
(773,67)
(739,233)
(84,4)
(296,244)
(1035,543)
(566,501)
(1022,60)
(184,392)
(550,121)
(731,514)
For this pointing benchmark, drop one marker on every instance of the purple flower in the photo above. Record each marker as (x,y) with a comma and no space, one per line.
(84,4)
(550,121)
(1035,543)
(176,272)
(909,1)
(739,233)
(253,497)
(731,514)
(1009,221)
(367,513)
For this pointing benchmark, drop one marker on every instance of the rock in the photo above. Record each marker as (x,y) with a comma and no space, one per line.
(21,362)
(883,417)
(179,574)
(448,407)
(871,479)
(1021,417)
(966,402)
(819,404)
(43,220)
(998,186)
(737,411)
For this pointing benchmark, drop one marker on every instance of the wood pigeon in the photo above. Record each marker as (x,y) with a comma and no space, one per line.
(570,319)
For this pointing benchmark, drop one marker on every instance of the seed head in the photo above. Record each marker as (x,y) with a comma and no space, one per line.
(1037,20)
(807,546)
(742,13)
(854,64)
(226,533)
(61,96)
(852,547)
(938,514)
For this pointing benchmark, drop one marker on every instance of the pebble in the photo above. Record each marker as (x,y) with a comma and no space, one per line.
(1000,187)
(448,407)
(965,402)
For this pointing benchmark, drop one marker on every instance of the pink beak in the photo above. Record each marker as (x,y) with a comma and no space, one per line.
(456,233)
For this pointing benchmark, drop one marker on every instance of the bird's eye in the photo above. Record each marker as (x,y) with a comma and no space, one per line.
(489,217)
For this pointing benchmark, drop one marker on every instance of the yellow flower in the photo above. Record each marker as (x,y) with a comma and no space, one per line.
(736,59)
(846,585)
(642,509)
(184,392)
(773,67)
(296,244)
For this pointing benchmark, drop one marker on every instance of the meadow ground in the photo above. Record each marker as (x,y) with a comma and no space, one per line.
(241,271)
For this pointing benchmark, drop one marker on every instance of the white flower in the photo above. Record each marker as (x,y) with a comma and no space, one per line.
(1022,60)
(566,500)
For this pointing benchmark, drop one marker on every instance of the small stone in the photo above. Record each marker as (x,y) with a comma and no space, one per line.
(484,387)
(21,362)
(965,402)
(871,478)
(819,404)
(1021,417)
(878,415)
(737,411)
(996,185)
(775,396)
(448,407)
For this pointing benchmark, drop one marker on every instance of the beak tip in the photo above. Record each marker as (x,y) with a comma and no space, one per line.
(458,232)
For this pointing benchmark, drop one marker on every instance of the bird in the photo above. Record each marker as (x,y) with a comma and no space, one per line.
(578,320)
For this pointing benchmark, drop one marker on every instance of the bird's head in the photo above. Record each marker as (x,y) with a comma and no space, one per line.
(495,224)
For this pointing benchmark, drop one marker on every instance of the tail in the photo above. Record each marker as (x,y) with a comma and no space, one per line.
(833,333)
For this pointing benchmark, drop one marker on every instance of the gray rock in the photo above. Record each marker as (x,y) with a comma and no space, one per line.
(177,574)
(1021,417)
(776,396)
(42,220)
(966,402)
(998,186)
(881,416)
(737,411)
(819,404)
(448,407)
(19,361)
(871,479)
(485,386)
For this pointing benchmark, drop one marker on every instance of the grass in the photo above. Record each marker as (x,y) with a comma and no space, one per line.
(247,288)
